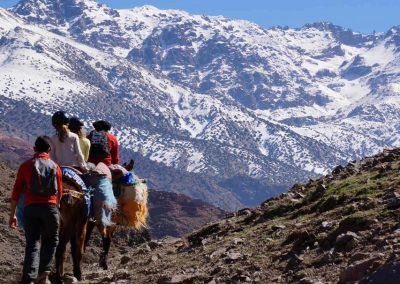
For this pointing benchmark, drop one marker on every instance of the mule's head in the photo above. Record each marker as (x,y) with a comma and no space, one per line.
(129,166)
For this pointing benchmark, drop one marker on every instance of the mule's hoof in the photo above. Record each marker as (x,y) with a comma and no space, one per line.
(78,276)
(104,265)
(71,279)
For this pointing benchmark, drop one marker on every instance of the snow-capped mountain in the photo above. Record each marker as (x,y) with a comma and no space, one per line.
(245,110)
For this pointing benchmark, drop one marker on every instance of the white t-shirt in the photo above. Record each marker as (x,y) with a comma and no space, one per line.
(67,153)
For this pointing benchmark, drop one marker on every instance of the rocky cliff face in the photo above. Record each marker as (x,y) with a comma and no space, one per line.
(239,111)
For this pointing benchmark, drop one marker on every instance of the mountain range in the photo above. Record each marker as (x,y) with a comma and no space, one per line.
(222,110)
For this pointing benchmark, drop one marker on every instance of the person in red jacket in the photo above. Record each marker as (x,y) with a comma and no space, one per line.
(40,180)
(104,145)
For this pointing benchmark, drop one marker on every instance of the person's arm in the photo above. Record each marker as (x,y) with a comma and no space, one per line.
(79,155)
(12,222)
(87,149)
(114,151)
(59,185)
(53,154)
(16,193)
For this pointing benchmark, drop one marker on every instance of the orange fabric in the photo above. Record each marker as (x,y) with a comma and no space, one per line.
(132,207)
(132,213)
(23,182)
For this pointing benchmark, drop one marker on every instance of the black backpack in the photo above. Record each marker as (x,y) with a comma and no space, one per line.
(99,145)
(44,178)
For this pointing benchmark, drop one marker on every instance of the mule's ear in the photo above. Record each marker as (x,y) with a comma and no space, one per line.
(129,166)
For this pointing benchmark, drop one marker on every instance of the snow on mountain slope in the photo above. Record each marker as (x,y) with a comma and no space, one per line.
(219,97)
(151,115)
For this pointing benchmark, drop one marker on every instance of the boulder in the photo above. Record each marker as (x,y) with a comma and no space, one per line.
(278,227)
(337,170)
(125,259)
(346,242)
(294,262)
(196,238)
(360,269)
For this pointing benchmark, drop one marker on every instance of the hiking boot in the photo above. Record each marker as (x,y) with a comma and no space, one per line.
(43,278)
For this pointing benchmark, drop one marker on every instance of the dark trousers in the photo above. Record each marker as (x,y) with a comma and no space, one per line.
(41,222)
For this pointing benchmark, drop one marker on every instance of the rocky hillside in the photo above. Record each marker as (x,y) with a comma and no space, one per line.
(173,214)
(14,150)
(341,228)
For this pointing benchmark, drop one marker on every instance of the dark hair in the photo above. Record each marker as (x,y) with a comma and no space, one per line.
(42,144)
(102,125)
(59,118)
(60,122)
(75,125)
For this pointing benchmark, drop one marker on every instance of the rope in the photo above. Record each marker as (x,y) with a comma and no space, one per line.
(75,194)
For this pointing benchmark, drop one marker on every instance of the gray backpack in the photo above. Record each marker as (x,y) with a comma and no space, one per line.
(44,178)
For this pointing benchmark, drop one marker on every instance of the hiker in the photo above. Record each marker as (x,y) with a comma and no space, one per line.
(65,144)
(39,179)
(104,145)
(75,125)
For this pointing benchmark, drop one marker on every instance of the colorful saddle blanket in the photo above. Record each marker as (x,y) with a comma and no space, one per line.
(71,175)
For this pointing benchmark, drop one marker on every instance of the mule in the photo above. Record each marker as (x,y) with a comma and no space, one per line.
(73,225)
(106,232)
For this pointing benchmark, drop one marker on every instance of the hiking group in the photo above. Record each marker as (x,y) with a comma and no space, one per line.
(38,189)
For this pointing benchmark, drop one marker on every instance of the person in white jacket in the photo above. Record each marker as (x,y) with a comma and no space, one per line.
(65,144)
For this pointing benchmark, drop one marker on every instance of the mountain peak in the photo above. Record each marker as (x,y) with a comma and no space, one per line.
(55,12)
(148,8)
(325,26)
(47,11)
(344,35)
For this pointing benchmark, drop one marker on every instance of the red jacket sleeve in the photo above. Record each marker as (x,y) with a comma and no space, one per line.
(59,184)
(114,150)
(19,184)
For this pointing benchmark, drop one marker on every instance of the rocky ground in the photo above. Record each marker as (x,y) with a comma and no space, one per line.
(341,228)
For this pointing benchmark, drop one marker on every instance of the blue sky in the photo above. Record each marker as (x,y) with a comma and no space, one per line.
(359,15)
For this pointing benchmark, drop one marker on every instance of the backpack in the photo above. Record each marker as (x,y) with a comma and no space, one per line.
(44,178)
(99,144)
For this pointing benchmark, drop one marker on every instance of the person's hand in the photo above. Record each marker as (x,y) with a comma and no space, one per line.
(12,222)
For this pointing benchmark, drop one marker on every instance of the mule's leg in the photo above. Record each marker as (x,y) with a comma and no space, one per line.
(61,256)
(77,249)
(106,246)
(108,233)
(89,229)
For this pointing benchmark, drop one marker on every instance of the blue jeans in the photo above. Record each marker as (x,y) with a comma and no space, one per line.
(41,222)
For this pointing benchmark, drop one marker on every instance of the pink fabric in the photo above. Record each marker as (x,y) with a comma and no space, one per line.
(117,167)
(102,169)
